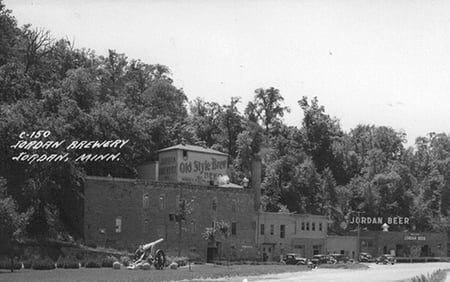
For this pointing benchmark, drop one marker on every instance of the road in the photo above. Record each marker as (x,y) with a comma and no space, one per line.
(375,273)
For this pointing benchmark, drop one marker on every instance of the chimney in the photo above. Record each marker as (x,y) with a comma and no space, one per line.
(256,180)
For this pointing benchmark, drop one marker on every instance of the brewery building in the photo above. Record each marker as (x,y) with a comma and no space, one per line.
(187,191)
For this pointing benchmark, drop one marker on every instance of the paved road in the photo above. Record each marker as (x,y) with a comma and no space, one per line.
(375,273)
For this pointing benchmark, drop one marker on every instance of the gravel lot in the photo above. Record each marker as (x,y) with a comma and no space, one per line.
(375,273)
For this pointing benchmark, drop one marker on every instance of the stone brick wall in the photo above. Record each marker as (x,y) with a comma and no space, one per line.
(144,207)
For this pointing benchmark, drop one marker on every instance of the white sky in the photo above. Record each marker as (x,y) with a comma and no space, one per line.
(371,62)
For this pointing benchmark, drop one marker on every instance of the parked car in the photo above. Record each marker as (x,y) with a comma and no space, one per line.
(365,257)
(321,259)
(341,258)
(385,259)
(295,259)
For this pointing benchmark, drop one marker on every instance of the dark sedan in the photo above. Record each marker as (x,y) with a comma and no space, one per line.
(341,258)
(321,259)
(295,259)
(385,259)
(365,257)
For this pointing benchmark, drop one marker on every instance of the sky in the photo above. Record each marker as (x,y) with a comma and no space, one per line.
(368,61)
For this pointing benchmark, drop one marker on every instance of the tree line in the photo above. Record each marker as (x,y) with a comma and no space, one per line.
(314,167)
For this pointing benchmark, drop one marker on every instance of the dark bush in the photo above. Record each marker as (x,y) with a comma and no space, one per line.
(67,263)
(92,264)
(43,264)
(6,264)
(108,261)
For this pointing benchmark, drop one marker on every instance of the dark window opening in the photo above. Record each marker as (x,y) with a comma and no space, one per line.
(282,231)
(233,228)
(214,204)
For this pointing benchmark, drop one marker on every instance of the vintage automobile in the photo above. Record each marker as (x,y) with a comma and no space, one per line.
(365,257)
(295,259)
(341,258)
(322,259)
(385,259)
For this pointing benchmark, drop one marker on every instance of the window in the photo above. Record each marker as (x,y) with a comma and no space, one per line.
(185,155)
(303,226)
(317,249)
(282,230)
(262,229)
(313,226)
(214,204)
(307,226)
(145,201)
(118,224)
(233,228)
(320,226)
(161,202)
(271,229)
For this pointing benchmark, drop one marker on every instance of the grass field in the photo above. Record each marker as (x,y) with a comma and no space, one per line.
(199,272)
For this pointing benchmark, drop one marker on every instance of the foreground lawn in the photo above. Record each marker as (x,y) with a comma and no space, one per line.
(199,272)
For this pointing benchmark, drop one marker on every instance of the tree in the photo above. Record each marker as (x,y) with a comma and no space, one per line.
(38,46)
(9,34)
(284,152)
(205,118)
(11,225)
(232,124)
(248,144)
(267,107)
(320,133)
(220,230)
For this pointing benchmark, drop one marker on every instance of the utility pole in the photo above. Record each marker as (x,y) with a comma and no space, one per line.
(358,249)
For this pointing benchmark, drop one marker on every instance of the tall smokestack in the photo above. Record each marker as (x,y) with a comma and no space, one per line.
(256,180)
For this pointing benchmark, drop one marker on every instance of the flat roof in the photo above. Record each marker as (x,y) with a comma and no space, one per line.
(193,148)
